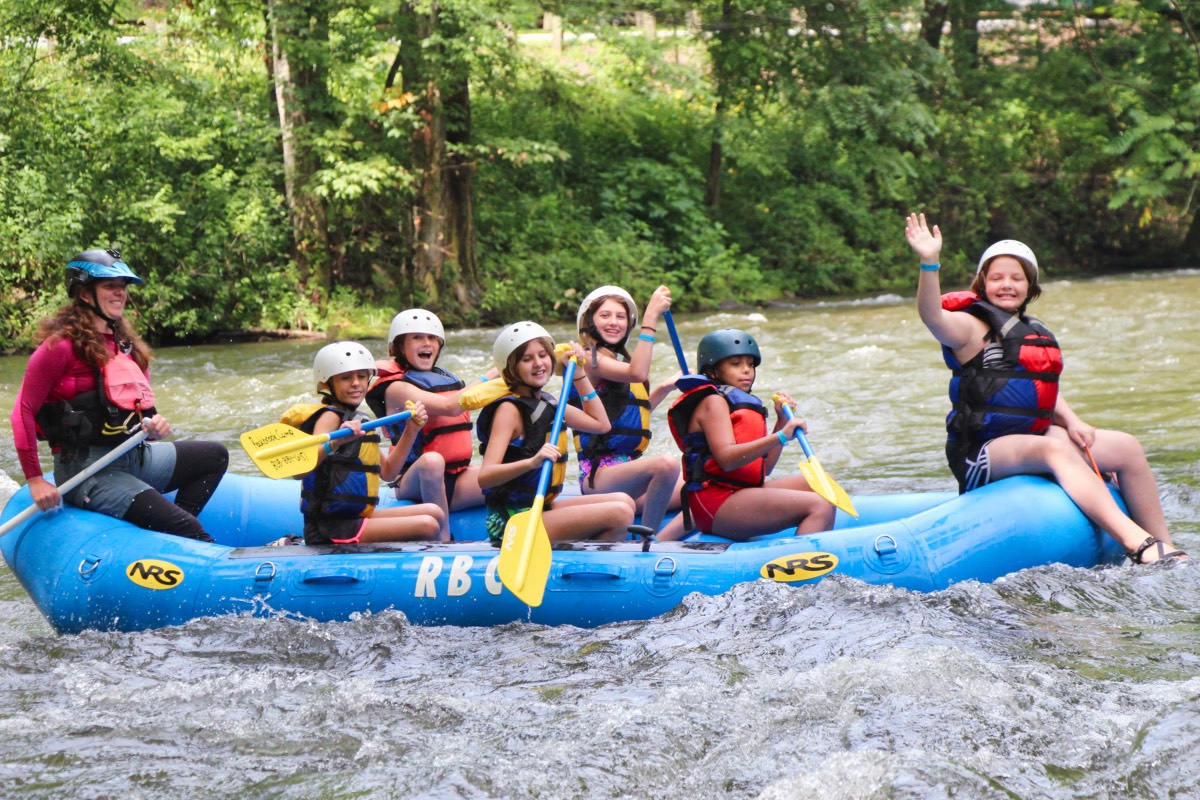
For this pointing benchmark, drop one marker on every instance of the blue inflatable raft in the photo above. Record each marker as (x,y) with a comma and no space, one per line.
(87,571)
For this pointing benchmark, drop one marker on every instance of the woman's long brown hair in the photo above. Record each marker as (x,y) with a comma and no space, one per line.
(76,323)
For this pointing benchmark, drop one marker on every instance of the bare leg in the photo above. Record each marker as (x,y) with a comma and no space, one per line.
(425,482)
(1054,453)
(779,504)
(598,516)
(420,522)
(1121,453)
(467,493)
(652,479)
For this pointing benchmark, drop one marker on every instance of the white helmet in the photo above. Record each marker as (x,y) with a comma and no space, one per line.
(334,359)
(416,320)
(607,291)
(1009,247)
(514,336)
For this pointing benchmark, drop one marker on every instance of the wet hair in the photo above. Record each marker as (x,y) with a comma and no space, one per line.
(76,322)
(979,285)
(510,365)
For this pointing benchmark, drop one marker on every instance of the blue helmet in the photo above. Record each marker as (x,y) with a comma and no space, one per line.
(97,265)
(718,345)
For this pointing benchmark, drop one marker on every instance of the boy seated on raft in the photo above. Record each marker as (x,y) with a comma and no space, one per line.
(514,431)
(340,495)
(727,453)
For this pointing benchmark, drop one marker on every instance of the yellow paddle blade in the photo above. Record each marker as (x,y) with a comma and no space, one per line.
(525,555)
(282,451)
(827,487)
(475,397)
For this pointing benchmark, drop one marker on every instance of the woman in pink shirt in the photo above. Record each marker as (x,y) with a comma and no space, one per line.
(86,390)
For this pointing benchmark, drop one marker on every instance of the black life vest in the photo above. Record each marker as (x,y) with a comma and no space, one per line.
(1011,385)
(537,415)
(102,417)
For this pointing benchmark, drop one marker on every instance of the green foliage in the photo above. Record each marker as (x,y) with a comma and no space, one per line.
(152,127)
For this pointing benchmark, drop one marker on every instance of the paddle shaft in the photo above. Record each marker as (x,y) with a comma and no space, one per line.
(312,441)
(798,433)
(535,518)
(675,341)
(109,457)
(560,414)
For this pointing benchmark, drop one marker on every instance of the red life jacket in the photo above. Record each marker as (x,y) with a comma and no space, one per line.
(448,435)
(700,468)
(1011,385)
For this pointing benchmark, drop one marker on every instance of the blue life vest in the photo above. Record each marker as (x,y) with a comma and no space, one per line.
(628,409)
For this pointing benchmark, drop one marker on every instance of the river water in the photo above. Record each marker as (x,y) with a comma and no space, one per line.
(1051,683)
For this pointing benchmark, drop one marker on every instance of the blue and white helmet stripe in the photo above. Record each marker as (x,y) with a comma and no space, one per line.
(118,269)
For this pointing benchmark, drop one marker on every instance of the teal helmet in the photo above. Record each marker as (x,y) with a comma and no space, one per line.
(722,344)
(97,265)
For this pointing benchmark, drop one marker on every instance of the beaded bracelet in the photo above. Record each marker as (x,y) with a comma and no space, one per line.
(930,267)
(589,396)
(783,439)
(646,337)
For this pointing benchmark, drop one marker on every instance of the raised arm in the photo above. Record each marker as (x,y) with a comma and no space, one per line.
(951,328)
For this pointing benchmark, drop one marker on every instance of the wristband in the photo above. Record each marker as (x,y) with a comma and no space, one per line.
(589,396)
(328,448)
(483,378)
(930,267)
(783,439)
(646,337)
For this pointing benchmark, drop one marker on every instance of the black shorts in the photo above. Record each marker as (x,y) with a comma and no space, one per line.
(324,530)
(451,482)
(970,464)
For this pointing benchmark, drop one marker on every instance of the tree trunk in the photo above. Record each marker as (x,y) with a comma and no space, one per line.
(299,34)
(933,22)
(723,37)
(440,225)
(964,28)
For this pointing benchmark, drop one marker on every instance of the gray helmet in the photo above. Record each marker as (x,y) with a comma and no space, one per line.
(97,265)
(718,345)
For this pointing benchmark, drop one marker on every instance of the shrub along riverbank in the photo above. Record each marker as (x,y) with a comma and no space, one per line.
(289,169)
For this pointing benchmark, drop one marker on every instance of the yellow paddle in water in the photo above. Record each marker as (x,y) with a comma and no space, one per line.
(815,474)
(525,553)
(282,451)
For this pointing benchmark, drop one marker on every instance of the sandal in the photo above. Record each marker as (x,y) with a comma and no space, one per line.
(1136,555)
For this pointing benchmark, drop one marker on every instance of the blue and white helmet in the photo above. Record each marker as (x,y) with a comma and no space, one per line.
(97,265)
